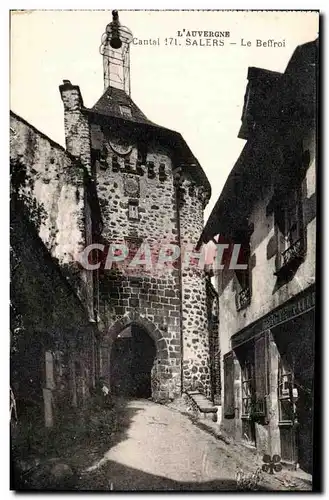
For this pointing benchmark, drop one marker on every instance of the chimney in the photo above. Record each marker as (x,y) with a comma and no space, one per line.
(77,135)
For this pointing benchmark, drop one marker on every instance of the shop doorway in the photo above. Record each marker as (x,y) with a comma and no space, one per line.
(295,341)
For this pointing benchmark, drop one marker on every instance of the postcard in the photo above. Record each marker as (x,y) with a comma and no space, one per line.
(163,240)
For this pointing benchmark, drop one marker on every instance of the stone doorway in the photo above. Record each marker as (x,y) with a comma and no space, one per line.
(132,357)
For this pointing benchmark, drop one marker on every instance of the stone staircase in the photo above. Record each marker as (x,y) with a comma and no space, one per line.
(204,408)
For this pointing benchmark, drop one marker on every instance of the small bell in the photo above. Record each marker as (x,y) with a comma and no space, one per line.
(115,41)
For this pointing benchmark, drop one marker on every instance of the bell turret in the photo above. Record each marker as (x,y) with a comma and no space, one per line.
(116,57)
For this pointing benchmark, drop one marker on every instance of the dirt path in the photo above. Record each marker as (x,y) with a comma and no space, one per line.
(147,446)
(161,449)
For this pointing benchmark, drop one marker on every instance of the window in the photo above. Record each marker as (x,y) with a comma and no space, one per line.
(115,164)
(243,276)
(290,233)
(253,360)
(142,153)
(287,393)
(133,213)
(289,220)
(248,385)
(287,399)
(125,111)
(162,172)
(150,170)
(254,370)
(248,393)
(103,158)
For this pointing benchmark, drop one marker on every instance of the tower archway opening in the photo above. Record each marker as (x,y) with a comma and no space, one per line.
(132,357)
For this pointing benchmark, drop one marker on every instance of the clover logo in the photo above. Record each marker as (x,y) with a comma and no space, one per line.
(272,464)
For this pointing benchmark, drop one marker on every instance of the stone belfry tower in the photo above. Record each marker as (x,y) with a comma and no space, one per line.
(152,192)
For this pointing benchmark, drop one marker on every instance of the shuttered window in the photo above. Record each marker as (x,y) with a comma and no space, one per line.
(289,227)
(248,384)
(261,374)
(229,385)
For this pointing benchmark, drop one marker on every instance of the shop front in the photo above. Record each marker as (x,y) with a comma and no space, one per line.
(268,382)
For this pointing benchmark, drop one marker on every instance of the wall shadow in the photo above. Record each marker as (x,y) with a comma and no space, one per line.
(117,477)
(78,448)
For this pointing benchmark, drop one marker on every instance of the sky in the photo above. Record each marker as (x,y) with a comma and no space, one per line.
(195,90)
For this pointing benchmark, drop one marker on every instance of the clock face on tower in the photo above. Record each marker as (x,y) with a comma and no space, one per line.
(120,146)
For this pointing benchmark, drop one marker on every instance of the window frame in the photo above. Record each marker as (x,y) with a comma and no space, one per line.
(290,251)
(286,370)
(133,204)
(255,377)
(243,277)
(248,380)
(125,111)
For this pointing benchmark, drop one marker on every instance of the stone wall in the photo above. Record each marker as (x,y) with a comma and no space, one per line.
(194,300)
(52,341)
(153,294)
(52,183)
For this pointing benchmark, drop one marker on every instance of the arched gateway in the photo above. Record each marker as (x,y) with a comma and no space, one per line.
(134,360)
(131,362)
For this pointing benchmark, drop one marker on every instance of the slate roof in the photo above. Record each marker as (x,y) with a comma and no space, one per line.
(110,102)
(110,105)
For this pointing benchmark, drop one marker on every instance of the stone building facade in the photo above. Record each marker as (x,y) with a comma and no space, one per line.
(54,359)
(267,311)
(55,184)
(123,180)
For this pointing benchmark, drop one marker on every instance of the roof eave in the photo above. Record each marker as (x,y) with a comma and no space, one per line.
(186,154)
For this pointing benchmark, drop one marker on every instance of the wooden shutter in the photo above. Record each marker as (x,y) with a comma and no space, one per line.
(229,385)
(281,230)
(261,373)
